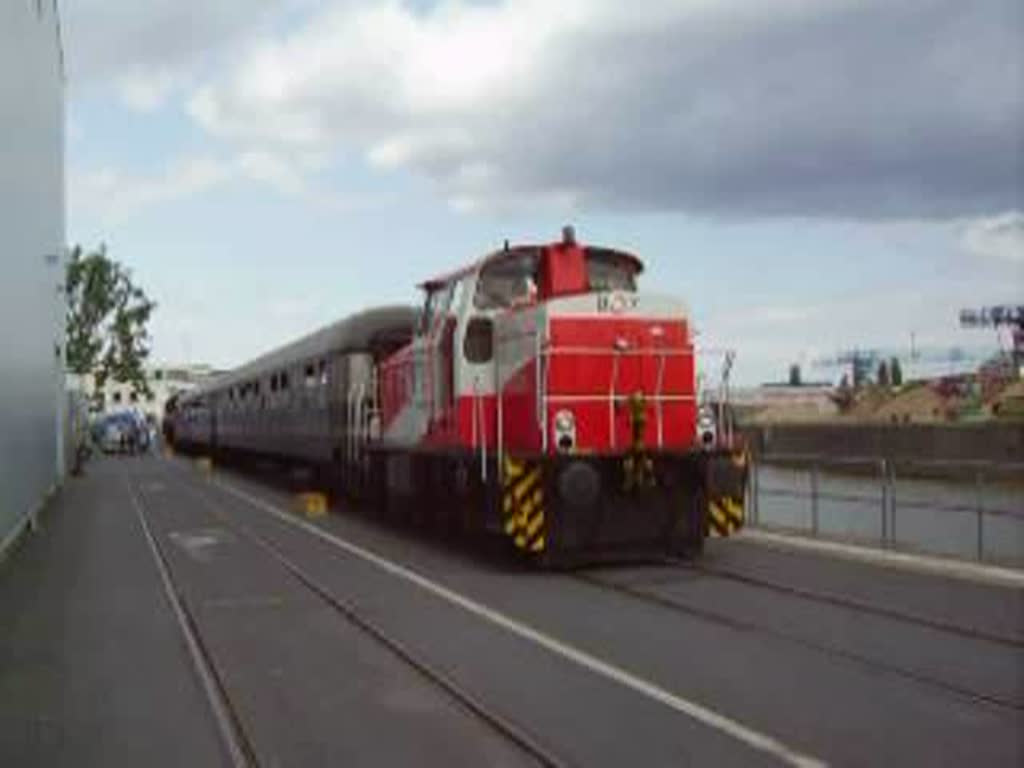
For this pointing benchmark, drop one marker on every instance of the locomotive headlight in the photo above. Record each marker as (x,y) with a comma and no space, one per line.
(565,421)
(565,431)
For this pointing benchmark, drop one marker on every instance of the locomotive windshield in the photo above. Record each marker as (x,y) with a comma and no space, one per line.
(513,279)
(508,281)
(610,270)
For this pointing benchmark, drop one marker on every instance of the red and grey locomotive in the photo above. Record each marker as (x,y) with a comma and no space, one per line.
(538,394)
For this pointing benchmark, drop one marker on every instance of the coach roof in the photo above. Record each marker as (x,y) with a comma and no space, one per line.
(355,333)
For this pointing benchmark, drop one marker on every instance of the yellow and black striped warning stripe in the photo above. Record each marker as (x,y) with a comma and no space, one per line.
(726,515)
(522,504)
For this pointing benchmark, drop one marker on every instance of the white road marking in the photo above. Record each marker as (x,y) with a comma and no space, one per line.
(722,723)
(213,696)
(976,572)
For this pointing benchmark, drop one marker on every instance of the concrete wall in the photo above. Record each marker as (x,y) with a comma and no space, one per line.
(921,442)
(32,257)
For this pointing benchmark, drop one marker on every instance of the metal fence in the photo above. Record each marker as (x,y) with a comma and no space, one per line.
(971,510)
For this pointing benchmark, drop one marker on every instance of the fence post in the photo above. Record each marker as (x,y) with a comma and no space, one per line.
(978,482)
(754,511)
(892,503)
(814,498)
(883,468)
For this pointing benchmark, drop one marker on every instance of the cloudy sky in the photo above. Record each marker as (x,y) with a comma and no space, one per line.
(809,175)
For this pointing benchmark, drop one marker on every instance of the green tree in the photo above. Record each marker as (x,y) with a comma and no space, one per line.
(883,374)
(896,372)
(107,321)
(795,379)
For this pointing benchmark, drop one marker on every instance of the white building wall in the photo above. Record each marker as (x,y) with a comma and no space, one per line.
(32,258)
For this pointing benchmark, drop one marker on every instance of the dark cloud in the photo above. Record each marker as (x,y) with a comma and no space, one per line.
(870,110)
(845,108)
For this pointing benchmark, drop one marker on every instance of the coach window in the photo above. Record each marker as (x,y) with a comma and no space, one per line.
(310,379)
(322,366)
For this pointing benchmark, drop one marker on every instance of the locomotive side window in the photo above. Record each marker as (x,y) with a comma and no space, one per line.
(610,270)
(438,301)
(479,344)
(508,281)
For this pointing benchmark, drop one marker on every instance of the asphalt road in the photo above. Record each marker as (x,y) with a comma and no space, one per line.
(753,657)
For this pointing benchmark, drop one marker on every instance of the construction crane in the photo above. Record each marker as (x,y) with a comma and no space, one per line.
(1000,316)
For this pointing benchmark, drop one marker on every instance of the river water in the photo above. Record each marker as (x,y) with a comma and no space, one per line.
(979,517)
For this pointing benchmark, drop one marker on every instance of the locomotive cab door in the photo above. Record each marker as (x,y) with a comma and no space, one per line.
(435,362)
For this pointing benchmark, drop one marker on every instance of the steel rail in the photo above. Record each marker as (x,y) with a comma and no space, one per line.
(433,674)
(745,625)
(239,748)
(842,601)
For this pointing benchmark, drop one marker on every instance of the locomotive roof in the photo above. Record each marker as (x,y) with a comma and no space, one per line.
(352,334)
(496,255)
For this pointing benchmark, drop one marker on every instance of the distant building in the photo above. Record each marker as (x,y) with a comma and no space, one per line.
(164,381)
(781,402)
(33,252)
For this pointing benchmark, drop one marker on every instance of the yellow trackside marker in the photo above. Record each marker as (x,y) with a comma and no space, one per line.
(507,503)
(538,545)
(312,504)
(533,527)
(538,497)
(520,541)
(510,526)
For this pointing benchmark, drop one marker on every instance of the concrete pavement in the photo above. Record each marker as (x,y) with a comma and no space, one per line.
(651,665)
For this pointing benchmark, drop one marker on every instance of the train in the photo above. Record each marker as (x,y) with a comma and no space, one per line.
(537,396)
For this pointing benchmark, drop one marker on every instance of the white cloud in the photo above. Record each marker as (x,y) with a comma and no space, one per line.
(147,91)
(114,195)
(784,107)
(996,237)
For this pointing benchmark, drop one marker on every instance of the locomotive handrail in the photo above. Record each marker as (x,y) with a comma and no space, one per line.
(658,409)
(637,352)
(619,398)
(542,392)
(621,345)
(480,432)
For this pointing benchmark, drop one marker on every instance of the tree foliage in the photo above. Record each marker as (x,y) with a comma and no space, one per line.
(107,320)
(883,374)
(795,378)
(896,372)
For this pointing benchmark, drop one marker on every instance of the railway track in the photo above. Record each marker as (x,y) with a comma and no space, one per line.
(862,606)
(239,745)
(731,620)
